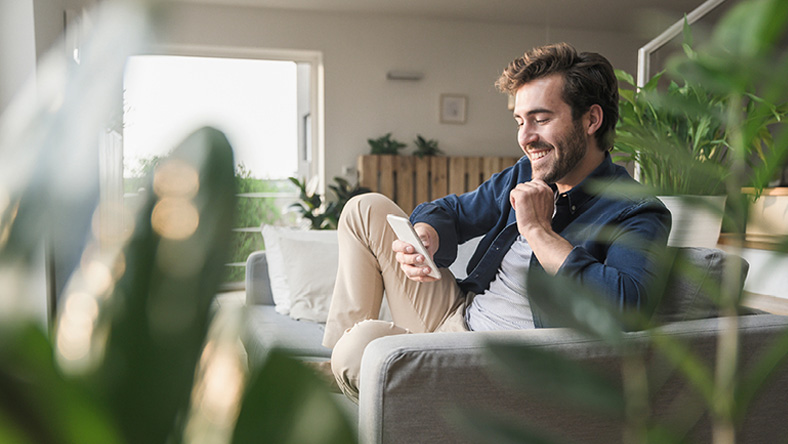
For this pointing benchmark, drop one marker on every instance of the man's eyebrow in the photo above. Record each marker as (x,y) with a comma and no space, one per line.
(536,111)
(539,111)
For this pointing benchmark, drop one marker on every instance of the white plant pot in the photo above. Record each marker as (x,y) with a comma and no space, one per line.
(697,220)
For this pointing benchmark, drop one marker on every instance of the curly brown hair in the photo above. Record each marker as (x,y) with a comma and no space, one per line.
(588,80)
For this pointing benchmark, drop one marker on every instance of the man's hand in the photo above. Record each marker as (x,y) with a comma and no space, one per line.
(411,262)
(534,203)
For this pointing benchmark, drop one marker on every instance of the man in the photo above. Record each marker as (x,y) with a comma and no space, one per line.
(537,216)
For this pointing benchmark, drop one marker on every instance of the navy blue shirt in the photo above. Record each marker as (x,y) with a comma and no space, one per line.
(614,234)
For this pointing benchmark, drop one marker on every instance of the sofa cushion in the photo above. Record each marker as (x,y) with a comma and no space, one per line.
(280,287)
(311,270)
(696,275)
(268,329)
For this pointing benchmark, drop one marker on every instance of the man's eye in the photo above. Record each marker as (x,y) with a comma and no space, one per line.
(541,121)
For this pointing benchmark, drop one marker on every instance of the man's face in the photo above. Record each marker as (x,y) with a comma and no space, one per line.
(554,142)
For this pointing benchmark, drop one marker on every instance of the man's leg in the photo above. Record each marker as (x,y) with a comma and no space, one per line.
(348,351)
(346,358)
(367,266)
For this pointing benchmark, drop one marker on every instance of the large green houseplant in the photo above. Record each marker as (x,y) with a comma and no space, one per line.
(685,137)
(688,138)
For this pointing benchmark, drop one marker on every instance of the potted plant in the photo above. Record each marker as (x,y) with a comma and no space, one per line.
(321,213)
(426,147)
(385,145)
(688,139)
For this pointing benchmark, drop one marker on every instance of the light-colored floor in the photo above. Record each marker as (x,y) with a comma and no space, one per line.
(231,297)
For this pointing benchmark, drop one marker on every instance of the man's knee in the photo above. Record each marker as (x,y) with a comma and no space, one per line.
(363,205)
(346,357)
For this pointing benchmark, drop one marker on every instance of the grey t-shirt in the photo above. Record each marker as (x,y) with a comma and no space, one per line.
(505,305)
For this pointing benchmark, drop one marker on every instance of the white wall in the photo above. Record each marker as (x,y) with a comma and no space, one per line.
(458,57)
(17,48)
(50,24)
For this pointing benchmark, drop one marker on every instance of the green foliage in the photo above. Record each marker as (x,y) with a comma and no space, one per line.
(679,149)
(310,414)
(323,214)
(39,405)
(250,213)
(426,147)
(385,145)
(691,137)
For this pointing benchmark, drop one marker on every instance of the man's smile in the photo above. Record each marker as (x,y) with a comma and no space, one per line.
(538,152)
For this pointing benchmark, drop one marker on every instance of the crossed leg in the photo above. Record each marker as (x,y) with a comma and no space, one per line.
(367,266)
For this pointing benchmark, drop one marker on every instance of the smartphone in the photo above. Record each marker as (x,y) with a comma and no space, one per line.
(405,232)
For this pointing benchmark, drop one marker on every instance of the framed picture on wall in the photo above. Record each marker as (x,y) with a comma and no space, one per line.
(453,108)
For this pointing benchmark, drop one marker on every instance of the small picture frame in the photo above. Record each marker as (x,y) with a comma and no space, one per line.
(453,108)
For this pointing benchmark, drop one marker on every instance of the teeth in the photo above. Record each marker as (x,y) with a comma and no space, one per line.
(538,154)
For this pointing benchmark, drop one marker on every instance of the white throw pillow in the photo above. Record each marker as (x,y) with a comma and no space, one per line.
(275,255)
(311,270)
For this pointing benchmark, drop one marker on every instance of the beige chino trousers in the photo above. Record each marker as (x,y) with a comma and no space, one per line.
(368,266)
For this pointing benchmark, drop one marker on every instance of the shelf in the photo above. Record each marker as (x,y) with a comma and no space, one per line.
(771,304)
(778,191)
(771,243)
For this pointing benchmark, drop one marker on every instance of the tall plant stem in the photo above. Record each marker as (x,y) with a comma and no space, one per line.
(724,431)
(635,383)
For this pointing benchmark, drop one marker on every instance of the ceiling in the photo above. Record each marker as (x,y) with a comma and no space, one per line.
(648,17)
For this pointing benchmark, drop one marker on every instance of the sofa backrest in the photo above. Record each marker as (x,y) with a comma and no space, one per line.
(696,280)
(696,276)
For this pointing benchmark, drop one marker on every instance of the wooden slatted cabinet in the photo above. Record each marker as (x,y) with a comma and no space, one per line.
(410,180)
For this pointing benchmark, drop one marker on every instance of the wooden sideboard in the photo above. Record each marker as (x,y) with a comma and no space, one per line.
(410,180)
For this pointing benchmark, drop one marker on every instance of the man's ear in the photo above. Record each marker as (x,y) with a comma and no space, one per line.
(594,117)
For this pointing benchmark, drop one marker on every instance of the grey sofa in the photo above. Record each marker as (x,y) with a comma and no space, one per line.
(411,385)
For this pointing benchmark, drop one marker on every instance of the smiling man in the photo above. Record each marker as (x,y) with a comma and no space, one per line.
(546,214)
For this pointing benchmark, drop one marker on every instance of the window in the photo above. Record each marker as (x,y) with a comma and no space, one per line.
(264,107)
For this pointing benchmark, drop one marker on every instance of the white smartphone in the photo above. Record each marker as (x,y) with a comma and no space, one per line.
(405,232)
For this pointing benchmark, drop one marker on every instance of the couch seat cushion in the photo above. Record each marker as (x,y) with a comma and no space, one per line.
(269,329)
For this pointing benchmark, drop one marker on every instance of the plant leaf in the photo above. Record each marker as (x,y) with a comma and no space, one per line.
(37,404)
(159,311)
(285,403)
(565,303)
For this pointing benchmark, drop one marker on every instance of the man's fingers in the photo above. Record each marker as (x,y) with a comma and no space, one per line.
(402,247)
(419,274)
(410,259)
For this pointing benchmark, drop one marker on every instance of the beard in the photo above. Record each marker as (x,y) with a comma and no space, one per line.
(567,151)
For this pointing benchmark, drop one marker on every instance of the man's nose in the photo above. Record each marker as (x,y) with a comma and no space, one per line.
(527,137)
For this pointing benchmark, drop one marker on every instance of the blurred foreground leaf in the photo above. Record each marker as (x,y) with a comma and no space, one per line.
(153,325)
(39,406)
(755,379)
(565,303)
(286,403)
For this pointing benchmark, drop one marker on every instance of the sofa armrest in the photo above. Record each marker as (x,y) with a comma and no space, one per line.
(410,383)
(258,285)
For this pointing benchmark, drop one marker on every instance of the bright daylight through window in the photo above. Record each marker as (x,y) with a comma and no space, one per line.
(254,102)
